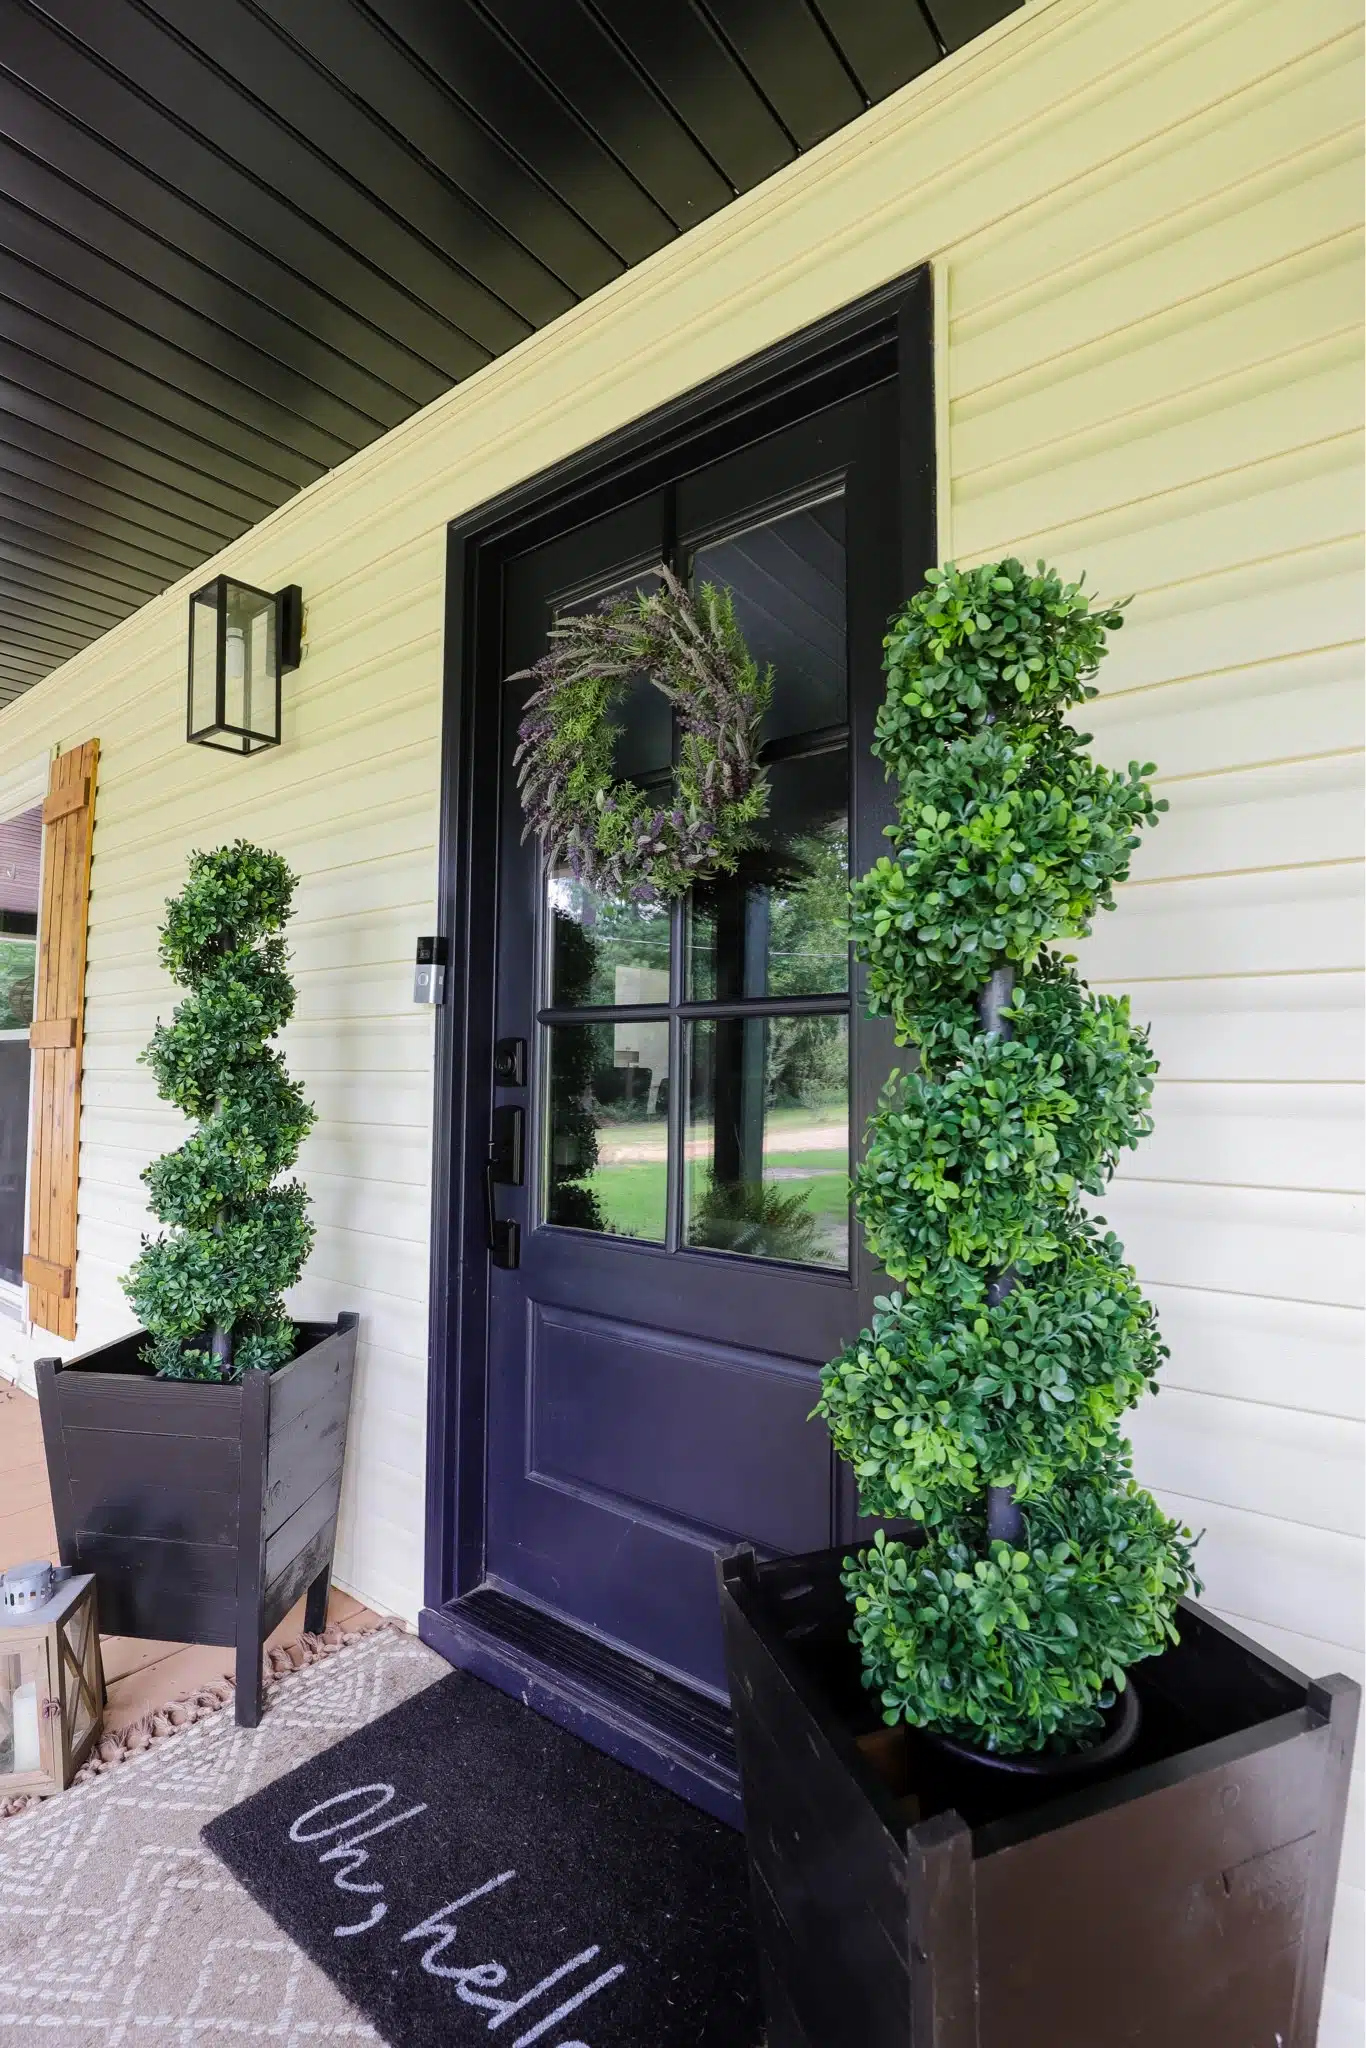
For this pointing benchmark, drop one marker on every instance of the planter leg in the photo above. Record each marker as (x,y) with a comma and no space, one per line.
(315,1607)
(249,1674)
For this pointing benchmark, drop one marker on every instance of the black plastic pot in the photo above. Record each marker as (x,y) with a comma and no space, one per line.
(203,1510)
(906,1898)
(1075,1766)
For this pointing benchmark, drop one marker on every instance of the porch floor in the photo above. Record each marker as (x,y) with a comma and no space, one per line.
(139,1675)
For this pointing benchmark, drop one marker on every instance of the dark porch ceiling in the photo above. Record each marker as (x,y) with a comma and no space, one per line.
(241,238)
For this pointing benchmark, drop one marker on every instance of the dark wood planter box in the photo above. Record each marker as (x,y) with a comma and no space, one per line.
(204,1511)
(902,1901)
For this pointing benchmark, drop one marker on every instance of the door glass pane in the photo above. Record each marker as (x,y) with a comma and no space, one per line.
(780,925)
(787,580)
(767,1147)
(608,1141)
(604,950)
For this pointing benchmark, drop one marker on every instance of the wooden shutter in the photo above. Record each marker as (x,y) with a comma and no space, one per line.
(57,1039)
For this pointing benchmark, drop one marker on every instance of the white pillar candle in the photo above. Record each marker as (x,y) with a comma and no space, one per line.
(27,1755)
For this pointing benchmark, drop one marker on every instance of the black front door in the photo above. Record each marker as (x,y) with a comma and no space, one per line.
(684,1085)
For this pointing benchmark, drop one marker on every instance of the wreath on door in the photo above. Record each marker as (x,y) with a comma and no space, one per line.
(611,834)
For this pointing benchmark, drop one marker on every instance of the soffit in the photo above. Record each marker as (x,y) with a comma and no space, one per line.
(239,239)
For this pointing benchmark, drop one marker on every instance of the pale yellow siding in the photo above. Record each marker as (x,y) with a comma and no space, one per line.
(1145,227)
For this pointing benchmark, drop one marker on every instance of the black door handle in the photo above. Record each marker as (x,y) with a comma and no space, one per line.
(504,1167)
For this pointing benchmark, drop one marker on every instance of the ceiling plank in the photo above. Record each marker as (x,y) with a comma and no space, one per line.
(81,513)
(56,640)
(95,380)
(250,275)
(712,95)
(90,613)
(22,378)
(27,449)
(786,51)
(484,73)
(117,263)
(886,43)
(45,271)
(356,176)
(455,148)
(22,640)
(958,21)
(617,104)
(166,153)
(53,565)
(16,660)
(102,547)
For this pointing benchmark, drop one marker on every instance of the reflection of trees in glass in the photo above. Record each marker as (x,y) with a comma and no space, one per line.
(618,934)
(753,1217)
(808,1062)
(16,983)
(780,925)
(629,935)
(570,1198)
(808,915)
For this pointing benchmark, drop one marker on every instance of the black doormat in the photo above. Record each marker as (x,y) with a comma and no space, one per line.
(465,1872)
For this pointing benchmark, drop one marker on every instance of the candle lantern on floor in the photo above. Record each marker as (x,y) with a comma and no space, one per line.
(51,1678)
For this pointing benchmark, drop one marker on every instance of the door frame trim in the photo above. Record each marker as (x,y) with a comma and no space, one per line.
(888,333)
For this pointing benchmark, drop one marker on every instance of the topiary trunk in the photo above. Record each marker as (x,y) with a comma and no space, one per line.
(986,1401)
(210,1291)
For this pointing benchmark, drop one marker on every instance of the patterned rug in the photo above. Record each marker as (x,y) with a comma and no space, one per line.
(118,1926)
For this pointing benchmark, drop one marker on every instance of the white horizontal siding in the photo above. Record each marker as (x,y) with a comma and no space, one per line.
(1157,378)
(1145,224)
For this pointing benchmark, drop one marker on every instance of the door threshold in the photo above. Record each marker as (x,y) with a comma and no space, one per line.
(657,1726)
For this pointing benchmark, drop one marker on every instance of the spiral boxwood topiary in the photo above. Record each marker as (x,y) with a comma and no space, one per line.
(209,1291)
(986,1401)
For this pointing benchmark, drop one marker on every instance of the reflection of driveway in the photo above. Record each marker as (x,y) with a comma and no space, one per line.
(647,1145)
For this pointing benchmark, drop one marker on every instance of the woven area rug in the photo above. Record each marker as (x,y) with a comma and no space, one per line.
(118,1926)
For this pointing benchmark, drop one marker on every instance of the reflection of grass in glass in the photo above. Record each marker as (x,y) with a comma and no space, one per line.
(827,1193)
(630,1200)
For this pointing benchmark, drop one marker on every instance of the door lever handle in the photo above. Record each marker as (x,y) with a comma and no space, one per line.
(504,1167)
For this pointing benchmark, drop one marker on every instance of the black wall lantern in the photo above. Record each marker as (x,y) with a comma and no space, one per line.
(241,642)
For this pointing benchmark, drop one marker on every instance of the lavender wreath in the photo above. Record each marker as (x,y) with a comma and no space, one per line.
(611,834)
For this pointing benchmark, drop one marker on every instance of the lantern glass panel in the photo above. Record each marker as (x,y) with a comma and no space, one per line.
(25,1729)
(204,662)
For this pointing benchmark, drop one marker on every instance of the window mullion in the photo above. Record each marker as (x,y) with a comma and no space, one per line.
(677,1081)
